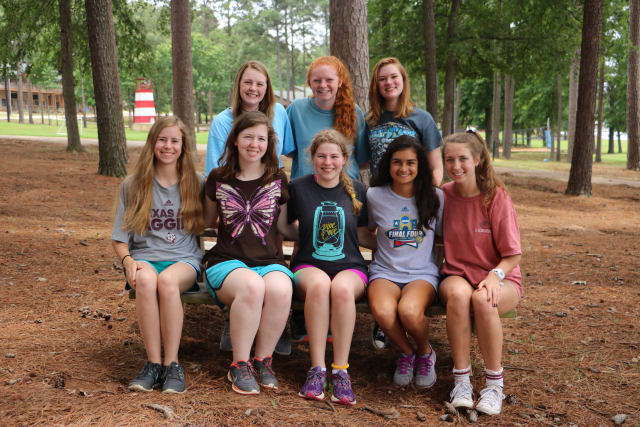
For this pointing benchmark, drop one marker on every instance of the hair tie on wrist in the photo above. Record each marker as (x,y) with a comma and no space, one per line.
(124,257)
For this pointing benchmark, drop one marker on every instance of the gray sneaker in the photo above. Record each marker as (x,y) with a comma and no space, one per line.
(425,370)
(174,379)
(283,347)
(149,377)
(242,378)
(225,338)
(404,369)
(264,373)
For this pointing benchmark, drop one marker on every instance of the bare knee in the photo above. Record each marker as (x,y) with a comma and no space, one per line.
(384,312)
(167,288)
(410,313)
(481,306)
(341,293)
(318,287)
(279,291)
(252,291)
(146,283)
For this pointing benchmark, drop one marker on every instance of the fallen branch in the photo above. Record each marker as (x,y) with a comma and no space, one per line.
(518,368)
(164,410)
(391,414)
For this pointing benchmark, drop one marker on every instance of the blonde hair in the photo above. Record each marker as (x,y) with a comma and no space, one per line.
(332,136)
(139,185)
(267,105)
(344,108)
(486,178)
(376,101)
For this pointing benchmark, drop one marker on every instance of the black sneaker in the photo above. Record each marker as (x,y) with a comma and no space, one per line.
(242,378)
(225,338)
(264,373)
(378,338)
(174,379)
(149,377)
(283,347)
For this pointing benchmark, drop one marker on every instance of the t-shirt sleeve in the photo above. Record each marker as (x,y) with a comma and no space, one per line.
(504,224)
(370,219)
(361,150)
(288,144)
(292,128)
(118,234)
(284,188)
(438,229)
(210,186)
(431,137)
(216,142)
(363,217)
(292,213)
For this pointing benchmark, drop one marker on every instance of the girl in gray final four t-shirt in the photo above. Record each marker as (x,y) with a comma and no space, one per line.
(406,209)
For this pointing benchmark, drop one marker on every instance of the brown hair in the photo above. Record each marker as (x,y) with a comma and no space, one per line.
(139,185)
(268,102)
(376,101)
(486,178)
(344,116)
(231,164)
(332,136)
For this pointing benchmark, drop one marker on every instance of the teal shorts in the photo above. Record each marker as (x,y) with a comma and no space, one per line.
(161,266)
(214,276)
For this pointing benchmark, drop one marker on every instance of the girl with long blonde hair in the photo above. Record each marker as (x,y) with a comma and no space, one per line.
(330,273)
(159,214)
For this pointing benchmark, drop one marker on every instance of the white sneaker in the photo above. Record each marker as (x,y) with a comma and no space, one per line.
(462,395)
(490,401)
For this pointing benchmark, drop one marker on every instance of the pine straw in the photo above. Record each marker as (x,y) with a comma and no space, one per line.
(56,223)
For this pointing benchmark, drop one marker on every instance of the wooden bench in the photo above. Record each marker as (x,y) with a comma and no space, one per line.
(202,296)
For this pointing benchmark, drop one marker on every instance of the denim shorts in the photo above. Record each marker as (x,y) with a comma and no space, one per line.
(214,276)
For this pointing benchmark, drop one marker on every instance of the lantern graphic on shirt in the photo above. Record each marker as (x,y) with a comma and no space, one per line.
(328,232)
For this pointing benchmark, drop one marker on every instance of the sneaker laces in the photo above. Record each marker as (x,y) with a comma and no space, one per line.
(315,375)
(492,395)
(174,371)
(245,370)
(267,366)
(342,380)
(154,369)
(423,364)
(462,388)
(403,363)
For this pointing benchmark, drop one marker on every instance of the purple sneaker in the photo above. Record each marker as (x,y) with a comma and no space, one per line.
(404,369)
(342,392)
(425,367)
(313,388)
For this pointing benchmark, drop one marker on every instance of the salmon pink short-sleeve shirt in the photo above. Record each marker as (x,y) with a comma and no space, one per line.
(476,237)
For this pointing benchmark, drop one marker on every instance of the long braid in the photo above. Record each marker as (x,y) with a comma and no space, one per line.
(347,183)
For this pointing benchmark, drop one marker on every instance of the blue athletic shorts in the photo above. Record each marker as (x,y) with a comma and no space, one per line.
(214,276)
(161,266)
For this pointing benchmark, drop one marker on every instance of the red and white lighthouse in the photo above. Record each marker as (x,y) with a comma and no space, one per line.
(145,109)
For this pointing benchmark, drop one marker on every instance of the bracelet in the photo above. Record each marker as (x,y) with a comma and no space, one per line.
(345,367)
(124,257)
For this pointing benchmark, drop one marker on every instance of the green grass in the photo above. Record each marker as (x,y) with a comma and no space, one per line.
(58,130)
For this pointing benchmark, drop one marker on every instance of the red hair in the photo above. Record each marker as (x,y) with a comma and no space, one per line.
(344,109)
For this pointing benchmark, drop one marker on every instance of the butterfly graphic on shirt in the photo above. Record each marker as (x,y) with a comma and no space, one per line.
(258,211)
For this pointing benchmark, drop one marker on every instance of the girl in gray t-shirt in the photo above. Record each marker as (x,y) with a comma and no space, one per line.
(159,214)
(406,209)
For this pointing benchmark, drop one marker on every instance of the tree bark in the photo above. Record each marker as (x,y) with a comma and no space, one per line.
(349,42)
(292,60)
(456,110)
(112,146)
(20,99)
(68,83)
(507,137)
(600,111)
(559,119)
(633,89)
(84,104)
(431,72)
(581,162)
(7,93)
(41,102)
(183,99)
(573,104)
(611,144)
(278,56)
(30,103)
(488,124)
(450,70)
(495,115)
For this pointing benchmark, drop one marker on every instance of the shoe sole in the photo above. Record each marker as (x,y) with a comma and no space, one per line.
(463,404)
(343,401)
(425,386)
(487,411)
(269,386)
(239,390)
(138,387)
(172,391)
(311,396)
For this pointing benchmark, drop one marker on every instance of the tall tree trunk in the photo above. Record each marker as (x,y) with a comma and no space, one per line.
(68,83)
(619,143)
(450,70)
(349,42)
(611,143)
(495,114)
(431,72)
(210,105)
(600,111)
(292,59)
(84,104)
(41,102)
(112,145)
(573,103)
(7,93)
(507,137)
(286,56)
(633,89)
(278,56)
(559,119)
(456,111)
(20,99)
(581,163)
(30,103)
(183,102)
(488,125)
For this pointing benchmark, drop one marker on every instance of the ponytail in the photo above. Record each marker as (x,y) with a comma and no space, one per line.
(347,183)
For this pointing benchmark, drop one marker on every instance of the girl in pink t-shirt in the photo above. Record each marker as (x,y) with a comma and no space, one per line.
(482,276)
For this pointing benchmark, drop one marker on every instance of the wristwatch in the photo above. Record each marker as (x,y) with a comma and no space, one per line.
(499,273)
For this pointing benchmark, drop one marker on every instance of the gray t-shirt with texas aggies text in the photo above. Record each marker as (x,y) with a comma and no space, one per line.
(166,238)
(405,253)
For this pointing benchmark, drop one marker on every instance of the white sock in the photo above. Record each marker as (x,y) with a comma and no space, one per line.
(462,375)
(494,378)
